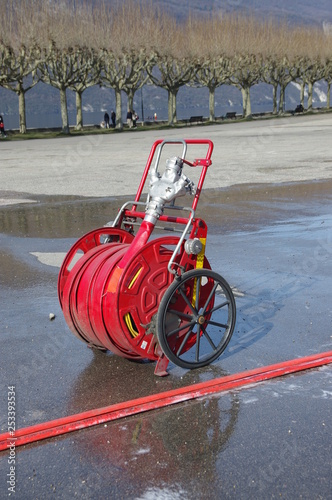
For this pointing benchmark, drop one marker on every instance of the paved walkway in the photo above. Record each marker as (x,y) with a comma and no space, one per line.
(265,151)
(271,242)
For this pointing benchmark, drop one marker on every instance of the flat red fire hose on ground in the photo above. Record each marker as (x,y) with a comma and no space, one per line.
(102,415)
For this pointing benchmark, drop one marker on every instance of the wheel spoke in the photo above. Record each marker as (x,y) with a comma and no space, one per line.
(210,297)
(180,314)
(185,298)
(214,323)
(198,290)
(197,343)
(183,343)
(209,338)
(177,330)
(223,304)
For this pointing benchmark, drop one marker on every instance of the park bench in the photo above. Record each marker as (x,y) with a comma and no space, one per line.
(299,109)
(230,114)
(195,119)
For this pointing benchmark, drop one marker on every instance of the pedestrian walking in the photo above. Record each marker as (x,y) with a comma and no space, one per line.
(130,118)
(134,118)
(113,118)
(107,120)
(2,127)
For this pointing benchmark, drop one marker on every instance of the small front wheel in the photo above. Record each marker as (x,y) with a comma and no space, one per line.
(196,318)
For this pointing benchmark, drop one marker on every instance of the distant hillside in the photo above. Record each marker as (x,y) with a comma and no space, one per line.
(294,11)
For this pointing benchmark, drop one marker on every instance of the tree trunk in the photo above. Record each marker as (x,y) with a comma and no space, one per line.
(174,115)
(142,107)
(170,108)
(248,103)
(310,92)
(211,104)
(275,99)
(79,114)
(244,102)
(328,95)
(64,111)
(282,98)
(302,93)
(21,110)
(131,100)
(118,107)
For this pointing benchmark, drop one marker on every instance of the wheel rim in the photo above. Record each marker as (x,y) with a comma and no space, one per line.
(196,318)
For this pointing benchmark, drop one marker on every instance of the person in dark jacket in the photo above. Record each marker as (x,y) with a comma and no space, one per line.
(134,118)
(130,118)
(2,127)
(113,117)
(107,120)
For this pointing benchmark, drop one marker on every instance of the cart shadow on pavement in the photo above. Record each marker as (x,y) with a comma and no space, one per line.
(256,312)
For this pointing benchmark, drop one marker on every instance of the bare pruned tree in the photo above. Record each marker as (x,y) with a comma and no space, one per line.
(19,53)
(210,50)
(77,44)
(326,54)
(67,44)
(246,72)
(18,74)
(213,73)
(126,37)
(88,65)
(61,68)
(124,72)
(328,78)
(309,59)
(272,47)
(171,74)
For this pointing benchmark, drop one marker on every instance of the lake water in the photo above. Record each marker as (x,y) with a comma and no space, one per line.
(43,108)
(53,120)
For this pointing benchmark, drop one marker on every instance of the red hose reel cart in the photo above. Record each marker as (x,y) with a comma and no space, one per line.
(145,297)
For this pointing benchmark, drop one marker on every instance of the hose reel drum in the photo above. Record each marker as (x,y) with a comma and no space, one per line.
(121,289)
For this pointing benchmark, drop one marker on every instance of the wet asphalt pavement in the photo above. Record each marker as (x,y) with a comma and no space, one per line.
(273,244)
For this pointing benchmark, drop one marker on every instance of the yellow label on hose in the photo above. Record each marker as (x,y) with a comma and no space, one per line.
(199,265)
(200,256)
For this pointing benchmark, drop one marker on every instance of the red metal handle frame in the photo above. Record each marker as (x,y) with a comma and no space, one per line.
(163,218)
(203,162)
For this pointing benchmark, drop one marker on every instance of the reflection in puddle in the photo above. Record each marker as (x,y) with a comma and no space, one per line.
(237,208)
(57,219)
(187,436)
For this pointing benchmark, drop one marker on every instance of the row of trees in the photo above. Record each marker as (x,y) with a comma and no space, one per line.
(77,44)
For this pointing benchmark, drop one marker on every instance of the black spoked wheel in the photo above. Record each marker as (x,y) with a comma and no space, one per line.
(196,318)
